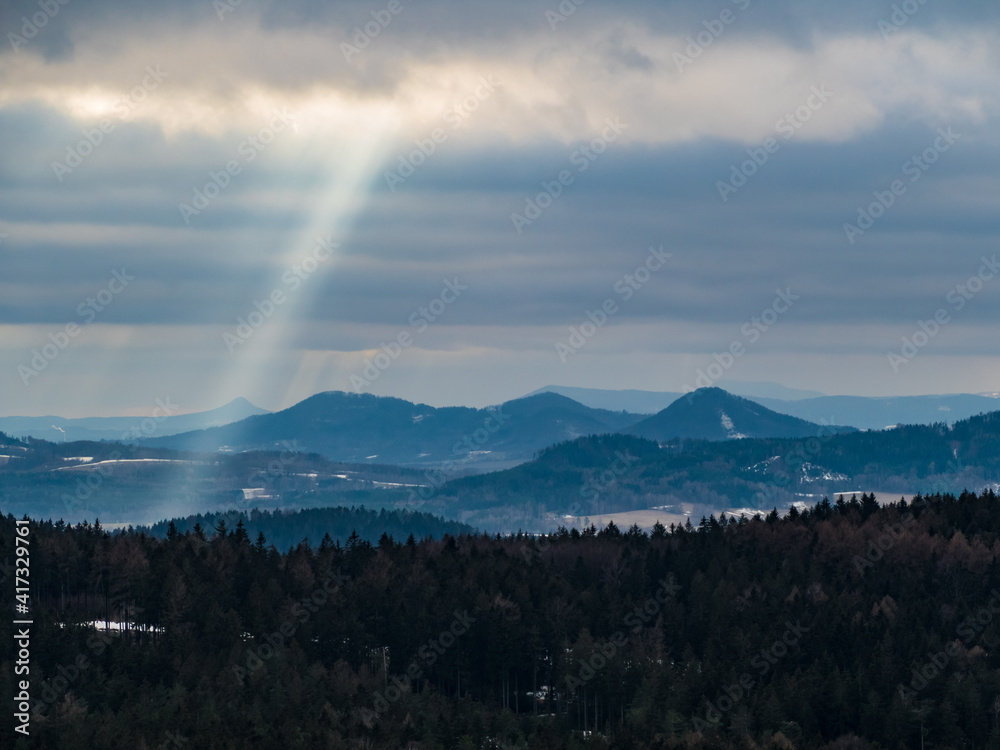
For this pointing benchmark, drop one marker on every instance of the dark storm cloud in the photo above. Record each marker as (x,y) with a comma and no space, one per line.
(453,219)
(788,18)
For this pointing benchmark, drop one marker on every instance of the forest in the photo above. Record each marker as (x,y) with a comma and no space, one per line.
(848,625)
(752,472)
(284,530)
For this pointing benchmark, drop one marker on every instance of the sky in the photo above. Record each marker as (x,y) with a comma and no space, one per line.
(461,202)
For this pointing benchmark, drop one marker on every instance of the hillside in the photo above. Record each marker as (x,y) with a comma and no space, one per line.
(714,414)
(611,473)
(166,422)
(361,427)
(139,484)
(636,402)
(863,412)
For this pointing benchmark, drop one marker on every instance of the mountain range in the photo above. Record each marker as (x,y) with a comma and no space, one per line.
(866,413)
(125,429)
(862,412)
(357,428)
(364,428)
(530,457)
(650,402)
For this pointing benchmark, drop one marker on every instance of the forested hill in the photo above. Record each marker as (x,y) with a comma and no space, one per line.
(714,414)
(362,427)
(845,627)
(608,473)
(336,525)
(6,441)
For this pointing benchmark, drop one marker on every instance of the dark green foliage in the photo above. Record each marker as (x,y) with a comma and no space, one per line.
(285,530)
(579,476)
(647,641)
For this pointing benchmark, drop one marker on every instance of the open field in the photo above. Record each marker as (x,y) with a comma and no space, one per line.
(645,519)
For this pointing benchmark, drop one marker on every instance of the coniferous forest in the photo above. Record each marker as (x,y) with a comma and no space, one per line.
(848,625)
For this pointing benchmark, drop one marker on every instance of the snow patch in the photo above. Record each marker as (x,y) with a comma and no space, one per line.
(729,427)
(812,473)
(763,466)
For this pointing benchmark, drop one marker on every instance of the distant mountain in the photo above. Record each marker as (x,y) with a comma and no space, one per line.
(757,389)
(714,414)
(862,412)
(636,402)
(650,402)
(361,427)
(878,413)
(60,429)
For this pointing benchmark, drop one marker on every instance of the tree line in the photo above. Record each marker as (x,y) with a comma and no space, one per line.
(847,625)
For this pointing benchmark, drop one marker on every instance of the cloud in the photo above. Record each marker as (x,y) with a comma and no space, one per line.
(512,101)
